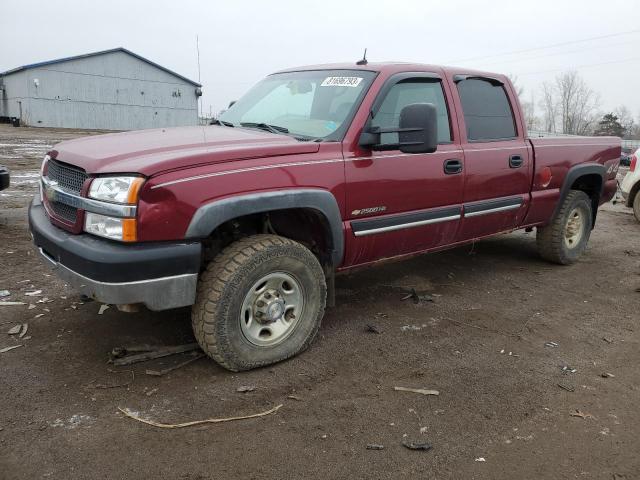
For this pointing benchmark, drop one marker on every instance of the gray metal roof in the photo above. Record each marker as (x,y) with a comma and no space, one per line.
(93,54)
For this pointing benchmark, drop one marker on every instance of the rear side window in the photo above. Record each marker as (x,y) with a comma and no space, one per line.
(487,112)
(408,92)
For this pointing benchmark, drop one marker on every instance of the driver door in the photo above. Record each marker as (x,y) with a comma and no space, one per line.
(401,203)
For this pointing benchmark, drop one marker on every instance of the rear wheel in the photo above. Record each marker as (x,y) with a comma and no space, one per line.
(260,301)
(636,206)
(565,239)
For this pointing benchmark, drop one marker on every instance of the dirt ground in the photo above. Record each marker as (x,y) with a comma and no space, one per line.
(501,413)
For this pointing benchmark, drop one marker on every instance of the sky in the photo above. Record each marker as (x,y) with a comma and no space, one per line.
(242,41)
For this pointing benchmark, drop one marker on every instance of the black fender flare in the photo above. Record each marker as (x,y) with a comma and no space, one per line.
(572,175)
(211,215)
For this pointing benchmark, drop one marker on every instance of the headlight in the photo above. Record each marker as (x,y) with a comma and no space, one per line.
(116,189)
(121,229)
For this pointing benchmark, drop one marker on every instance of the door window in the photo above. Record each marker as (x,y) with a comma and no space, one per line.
(487,111)
(405,93)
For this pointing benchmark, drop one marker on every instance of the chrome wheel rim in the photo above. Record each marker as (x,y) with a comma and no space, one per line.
(271,309)
(574,229)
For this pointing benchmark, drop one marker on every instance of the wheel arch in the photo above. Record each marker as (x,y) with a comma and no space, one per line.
(212,215)
(588,178)
(635,190)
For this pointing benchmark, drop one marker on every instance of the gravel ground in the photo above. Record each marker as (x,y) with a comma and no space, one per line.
(501,413)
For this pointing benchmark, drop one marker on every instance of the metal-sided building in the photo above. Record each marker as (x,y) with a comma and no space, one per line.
(111,90)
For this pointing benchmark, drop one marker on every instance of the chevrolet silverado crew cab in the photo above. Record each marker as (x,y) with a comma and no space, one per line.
(313,172)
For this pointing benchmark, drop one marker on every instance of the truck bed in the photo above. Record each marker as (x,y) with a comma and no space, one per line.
(558,155)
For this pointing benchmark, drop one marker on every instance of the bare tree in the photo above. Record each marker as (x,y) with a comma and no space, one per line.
(529,112)
(528,108)
(577,104)
(549,107)
(626,120)
(518,89)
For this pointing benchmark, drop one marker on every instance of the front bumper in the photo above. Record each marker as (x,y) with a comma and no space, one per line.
(159,275)
(4,177)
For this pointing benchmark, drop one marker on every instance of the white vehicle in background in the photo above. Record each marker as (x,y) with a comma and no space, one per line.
(631,185)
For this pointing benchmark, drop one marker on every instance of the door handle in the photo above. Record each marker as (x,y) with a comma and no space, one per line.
(452,166)
(516,161)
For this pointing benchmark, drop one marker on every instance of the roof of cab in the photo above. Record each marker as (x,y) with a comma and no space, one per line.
(397,67)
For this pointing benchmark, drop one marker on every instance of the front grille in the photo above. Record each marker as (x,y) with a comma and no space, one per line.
(69,178)
(65,212)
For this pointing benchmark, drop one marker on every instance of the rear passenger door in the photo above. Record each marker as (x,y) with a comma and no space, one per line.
(498,161)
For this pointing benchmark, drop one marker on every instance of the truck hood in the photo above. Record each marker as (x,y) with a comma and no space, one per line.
(150,152)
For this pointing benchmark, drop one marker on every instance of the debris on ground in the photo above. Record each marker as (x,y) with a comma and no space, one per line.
(39,315)
(416,445)
(568,369)
(568,388)
(23,330)
(405,328)
(4,293)
(413,295)
(608,340)
(164,371)
(607,375)
(31,306)
(5,304)
(375,446)
(118,352)
(245,388)
(480,459)
(153,354)
(551,344)
(373,329)
(421,391)
(103,307)
(6,349)
(35,293)
(294,397)
(581,414)
(197,422)
(151,392)
(510,354)
(14,330)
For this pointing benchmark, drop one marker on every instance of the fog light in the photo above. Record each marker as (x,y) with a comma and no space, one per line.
(121,229)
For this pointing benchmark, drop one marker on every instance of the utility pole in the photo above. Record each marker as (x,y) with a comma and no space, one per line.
(199,81)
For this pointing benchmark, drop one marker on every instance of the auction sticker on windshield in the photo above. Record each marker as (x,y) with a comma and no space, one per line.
(341,82)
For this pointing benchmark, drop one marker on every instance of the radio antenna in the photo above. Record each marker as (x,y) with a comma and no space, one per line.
(364,59)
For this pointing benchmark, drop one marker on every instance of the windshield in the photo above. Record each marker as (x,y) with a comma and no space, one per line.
(316,104)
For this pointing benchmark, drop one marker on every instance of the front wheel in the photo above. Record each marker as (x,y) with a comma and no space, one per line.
(260,301)
(565,239)
(636,206)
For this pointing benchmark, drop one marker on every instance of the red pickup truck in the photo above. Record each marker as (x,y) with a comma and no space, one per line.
(313,172)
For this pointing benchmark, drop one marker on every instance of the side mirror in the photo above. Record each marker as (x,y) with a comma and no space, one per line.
(417,131)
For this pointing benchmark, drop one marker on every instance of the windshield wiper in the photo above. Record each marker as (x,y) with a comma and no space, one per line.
(265,126)
(217,121)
